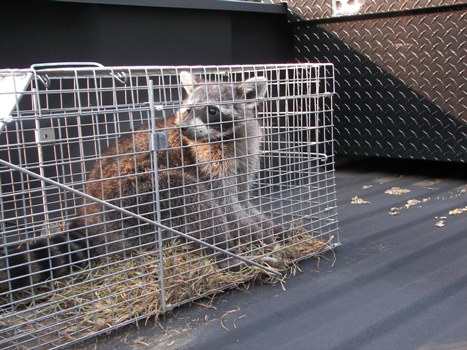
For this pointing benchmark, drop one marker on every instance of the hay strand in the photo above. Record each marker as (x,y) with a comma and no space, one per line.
(102,297)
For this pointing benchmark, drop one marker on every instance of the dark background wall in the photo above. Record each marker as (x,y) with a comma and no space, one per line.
(148,34)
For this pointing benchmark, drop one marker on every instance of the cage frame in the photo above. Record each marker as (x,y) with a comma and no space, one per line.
(323,86)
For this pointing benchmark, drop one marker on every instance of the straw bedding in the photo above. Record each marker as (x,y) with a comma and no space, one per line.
(123,290)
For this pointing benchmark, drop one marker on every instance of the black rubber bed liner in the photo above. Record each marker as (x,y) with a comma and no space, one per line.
(398,282)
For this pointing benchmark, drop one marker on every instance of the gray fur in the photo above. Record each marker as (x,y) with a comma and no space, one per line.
(232,159)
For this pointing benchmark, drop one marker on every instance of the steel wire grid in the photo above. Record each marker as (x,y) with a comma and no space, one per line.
(113,210)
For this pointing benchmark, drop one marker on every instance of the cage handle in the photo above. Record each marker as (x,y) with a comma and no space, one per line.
(121,77)
(39,66)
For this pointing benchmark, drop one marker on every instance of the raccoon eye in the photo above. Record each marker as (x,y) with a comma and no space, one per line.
(213,111)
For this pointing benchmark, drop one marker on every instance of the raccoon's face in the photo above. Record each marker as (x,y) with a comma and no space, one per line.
(215,111)
(210,114)
(208,123)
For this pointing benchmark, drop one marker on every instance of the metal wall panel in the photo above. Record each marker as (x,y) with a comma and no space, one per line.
(112,33)
(400,75)
(318,9)
(425,52)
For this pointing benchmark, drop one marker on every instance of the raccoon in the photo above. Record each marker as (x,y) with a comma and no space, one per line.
(224,138)
(203,181)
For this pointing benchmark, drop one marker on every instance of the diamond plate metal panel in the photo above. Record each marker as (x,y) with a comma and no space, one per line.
(400,75)
(319,9)
(425,52)
(400,84)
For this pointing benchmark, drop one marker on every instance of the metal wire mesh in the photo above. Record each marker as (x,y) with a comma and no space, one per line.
(128,191)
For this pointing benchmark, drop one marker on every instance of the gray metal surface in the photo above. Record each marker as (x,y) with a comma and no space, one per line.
(400,75)
(319,9)
(398,90)
(398,282)
(425,52)
(244,6)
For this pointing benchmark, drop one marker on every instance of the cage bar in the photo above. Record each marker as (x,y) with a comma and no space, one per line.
(128,191)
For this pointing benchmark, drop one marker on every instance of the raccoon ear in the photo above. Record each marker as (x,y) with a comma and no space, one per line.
(254,88)
(189,81)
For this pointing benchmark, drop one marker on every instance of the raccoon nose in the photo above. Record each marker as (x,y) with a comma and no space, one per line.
(182,125)
(186,131)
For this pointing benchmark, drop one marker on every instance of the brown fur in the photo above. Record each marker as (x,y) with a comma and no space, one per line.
(129,177)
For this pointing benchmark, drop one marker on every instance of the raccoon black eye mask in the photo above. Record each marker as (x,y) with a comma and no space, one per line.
(208,124)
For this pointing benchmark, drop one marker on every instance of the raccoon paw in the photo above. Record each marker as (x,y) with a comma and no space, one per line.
(273,262)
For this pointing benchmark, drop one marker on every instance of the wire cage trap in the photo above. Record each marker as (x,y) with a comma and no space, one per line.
(128,191)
